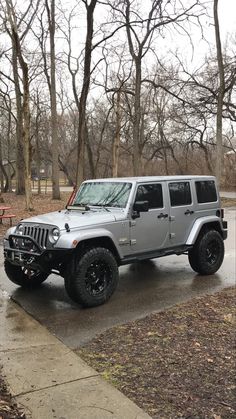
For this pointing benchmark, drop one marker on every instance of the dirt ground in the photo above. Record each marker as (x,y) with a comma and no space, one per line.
(179,363)
(42,204)
(8,409)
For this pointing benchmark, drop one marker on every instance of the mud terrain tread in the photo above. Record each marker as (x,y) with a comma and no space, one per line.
(197,255)
(18,277)
(75,281)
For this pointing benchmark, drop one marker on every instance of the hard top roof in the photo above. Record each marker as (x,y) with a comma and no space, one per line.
(140,179)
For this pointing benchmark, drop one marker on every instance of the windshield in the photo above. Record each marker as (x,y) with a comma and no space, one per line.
(110,194)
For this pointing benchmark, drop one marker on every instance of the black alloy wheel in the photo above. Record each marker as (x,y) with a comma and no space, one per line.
(98,277)
(212,252)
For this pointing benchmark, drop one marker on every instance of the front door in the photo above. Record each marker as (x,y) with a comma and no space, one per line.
(150,231)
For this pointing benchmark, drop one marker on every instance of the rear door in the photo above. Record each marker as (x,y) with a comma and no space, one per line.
(151,230)
(182,214)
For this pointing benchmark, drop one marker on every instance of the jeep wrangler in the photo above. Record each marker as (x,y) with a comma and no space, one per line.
(112,222)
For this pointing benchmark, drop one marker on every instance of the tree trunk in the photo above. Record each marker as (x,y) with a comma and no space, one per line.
(1,172)
(116,142)
(137,117)
(20,185)
(25,116)
(84,94)
(54,125)
(220,96)
(26,134)
(38,157)
(8,150)
(90,154)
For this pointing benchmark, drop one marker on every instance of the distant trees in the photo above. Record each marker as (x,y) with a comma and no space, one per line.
(88,89)
(17,28)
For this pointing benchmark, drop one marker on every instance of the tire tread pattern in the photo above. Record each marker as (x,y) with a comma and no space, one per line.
(18,277)
(196,255)
(75,277)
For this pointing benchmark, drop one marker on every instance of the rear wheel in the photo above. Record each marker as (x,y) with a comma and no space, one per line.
(24,277)
(207,254)
(93,279)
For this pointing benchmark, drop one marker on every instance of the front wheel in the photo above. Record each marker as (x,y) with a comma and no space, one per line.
(207,255)
(24,277)
(93,279)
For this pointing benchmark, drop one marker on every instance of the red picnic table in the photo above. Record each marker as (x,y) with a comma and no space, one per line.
(3,215)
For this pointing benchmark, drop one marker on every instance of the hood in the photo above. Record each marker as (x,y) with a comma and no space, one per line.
(75,218)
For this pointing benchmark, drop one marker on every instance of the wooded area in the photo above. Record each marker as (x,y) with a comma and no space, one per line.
(90,89)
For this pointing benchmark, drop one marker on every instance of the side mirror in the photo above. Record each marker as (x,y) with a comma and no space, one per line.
(141,206)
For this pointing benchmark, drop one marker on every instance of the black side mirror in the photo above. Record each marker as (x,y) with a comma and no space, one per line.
(141,206)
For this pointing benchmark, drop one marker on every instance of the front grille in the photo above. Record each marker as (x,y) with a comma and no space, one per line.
(39,234)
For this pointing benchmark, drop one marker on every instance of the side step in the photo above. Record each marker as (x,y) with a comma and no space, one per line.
(178,250)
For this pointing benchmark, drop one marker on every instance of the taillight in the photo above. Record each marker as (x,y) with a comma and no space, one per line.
(220,213)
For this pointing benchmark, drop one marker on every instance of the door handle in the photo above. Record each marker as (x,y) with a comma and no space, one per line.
(188,212)
(161,215)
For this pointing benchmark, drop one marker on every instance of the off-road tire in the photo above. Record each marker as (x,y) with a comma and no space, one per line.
(96,266)
(207,254)
(18,275)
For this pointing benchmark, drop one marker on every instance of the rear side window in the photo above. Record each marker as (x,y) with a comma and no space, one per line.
(206,191)
(180,193)
(151,193)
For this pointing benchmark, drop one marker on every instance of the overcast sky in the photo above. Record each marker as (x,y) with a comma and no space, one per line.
(227,18)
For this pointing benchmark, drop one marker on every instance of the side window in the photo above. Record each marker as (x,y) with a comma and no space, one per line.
(180,193)
(206,191)
(151,193)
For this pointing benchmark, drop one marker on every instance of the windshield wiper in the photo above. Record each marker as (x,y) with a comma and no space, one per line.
(101,206)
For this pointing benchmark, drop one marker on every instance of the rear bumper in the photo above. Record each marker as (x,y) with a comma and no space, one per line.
(225,230)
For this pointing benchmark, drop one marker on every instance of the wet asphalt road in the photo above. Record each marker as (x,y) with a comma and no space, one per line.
(143,288)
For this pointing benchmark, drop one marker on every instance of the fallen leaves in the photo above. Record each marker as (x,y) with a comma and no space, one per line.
(177,363)
(8,409)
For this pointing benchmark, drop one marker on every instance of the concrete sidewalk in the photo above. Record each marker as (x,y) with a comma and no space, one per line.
(48,379)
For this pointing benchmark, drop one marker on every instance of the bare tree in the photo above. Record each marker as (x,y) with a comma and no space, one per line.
(52,89)
(140,32)
(90,7)
(221,92)
(17,38)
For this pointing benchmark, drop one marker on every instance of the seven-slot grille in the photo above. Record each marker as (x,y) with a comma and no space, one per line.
(39,234)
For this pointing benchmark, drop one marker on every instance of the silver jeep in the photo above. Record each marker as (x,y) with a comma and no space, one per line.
(112,222)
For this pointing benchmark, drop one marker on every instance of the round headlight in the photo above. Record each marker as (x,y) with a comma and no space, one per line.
(55,234)
(20,229)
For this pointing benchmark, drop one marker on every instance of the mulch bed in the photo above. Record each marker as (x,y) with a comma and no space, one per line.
(179,363)
(8,409)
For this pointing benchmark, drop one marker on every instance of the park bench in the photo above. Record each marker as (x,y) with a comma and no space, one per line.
(4,215)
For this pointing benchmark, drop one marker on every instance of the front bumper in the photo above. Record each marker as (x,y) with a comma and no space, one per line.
(33,256)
